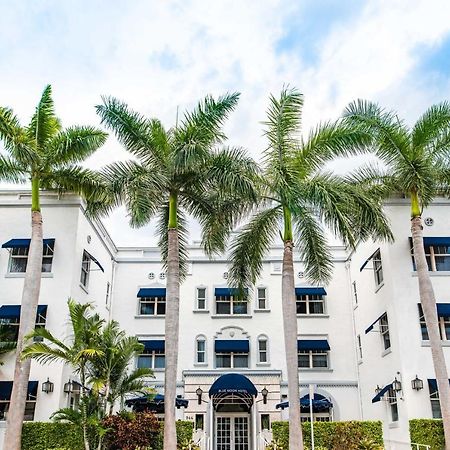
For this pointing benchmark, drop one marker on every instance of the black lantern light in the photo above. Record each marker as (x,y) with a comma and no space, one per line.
(417,384)
(68,387)
(397,385)
(264,393)
(199,393)
(47,386)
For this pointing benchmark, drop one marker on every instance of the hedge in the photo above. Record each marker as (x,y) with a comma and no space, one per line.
(331,435)
(427,431)
(52,435)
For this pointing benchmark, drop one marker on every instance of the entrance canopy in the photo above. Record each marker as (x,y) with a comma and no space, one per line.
(232,392)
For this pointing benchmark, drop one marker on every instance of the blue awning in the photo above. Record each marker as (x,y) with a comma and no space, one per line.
(151,292)
(436,241)
(95,261)
(231,345)
(380,394)
(227,292)
(443,309)
(6,389)
(310,291)
(370,327)
(319,403)
(313,344)
(155,402)
(432,384)
(368,259)
(25,243)
(233,383)
(13,311)
(153,345)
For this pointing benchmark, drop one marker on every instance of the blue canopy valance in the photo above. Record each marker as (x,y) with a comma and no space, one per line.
(13,311)
(436,241)
(233,383)
(313,344)
(153,345)
(227,292)
(6,389)
(151,292)
(443,309)
(380,394)
(319,404)
(25,243)
(370,327)
(231,345)
(153,403)
(310,291)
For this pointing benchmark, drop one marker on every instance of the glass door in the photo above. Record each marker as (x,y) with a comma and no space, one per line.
(232,433)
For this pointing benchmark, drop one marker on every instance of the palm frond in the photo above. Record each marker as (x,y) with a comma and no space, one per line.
(10,171)
(44,353)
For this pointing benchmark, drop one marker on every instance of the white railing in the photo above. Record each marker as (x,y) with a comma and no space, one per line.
(262,442)
(415,446)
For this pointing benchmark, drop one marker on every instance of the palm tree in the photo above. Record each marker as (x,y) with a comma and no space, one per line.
(7,340)
(416,164)
(84,347)
(178,172)
(47,156)
(297,195)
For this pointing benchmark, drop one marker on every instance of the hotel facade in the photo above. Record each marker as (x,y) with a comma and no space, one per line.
(362,343)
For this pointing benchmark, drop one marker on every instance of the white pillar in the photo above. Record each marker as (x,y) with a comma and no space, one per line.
(254,413)
(211,444)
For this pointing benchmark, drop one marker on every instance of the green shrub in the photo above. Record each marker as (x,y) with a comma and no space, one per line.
(427,431)
(331,435)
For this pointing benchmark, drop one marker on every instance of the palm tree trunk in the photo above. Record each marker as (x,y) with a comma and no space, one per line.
(30,299)
(290,342)
(84,408)
(428,302)
(171,328)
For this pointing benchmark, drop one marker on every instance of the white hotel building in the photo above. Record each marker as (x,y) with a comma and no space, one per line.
(360,331)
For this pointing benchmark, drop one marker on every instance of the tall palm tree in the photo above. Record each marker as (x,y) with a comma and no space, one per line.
(300,198)
(417,164)
(83,347)
(178,171)
(47,156)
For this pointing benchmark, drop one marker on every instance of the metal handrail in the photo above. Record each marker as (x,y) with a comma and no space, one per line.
(416,446)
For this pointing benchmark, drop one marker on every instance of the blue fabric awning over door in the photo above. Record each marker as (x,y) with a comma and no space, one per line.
(310,291)
(6,389)
(313,344)
(233,383)
(151,292)
(13,311)
(319,403)
(25,243)
(370,327)
(153,345)
(231,345)
(380,394)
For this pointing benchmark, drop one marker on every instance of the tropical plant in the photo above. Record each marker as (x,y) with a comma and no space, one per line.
(178,172)
(416,163)
(7,340)
(302,198)
(47,156)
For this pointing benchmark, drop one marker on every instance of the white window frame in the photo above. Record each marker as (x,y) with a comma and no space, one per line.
(258,298)
(152,356)
(232,355)
(230,299)
(392,402)
(311,354)
(431,253)
(153,299)
(201,338)
(384,332)
(85,269)
(355,293)
(197,298)
(435,404)
(263,338)
(307,299)
(443,323)
(21,253)
(378,269)
(359,347)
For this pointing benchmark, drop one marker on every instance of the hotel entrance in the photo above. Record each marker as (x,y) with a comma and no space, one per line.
(232,432)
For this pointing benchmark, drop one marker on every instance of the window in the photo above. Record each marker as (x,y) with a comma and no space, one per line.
(443,323)
(229,360)
(199,422)
(154,359)
(229,305)
(12,326)
(360,352)
(262,350)
(265,421)
(317,417)
(393,405)
(310,304)
(384,330)
(85,268)
(438,257)
(30,405)
(200,350)
(377,268)
(19,258)
(108,287)
(201,298)
(355,293)
(311,359)
(434,399)
(262,299)
(152,306)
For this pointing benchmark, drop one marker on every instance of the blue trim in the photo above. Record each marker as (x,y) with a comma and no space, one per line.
(380,394)
(370,327)
(25,243)
(13,311)
(230,345)
(6,389)
(367,260)
(227,292)
(310,291)
(313,344)
(436,241)
(319,404)
(233,383)
(154,345)
(151,292)
(443,309)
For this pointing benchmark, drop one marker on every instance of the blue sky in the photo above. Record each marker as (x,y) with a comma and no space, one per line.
(158,55)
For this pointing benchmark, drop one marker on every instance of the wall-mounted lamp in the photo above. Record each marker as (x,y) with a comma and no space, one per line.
(199,393)
(72,387)
(68,387)
(264,393)
(377,389)
(397,385)
(417,384)
(47,386)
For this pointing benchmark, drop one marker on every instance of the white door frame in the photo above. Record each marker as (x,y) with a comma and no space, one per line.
(232,416)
